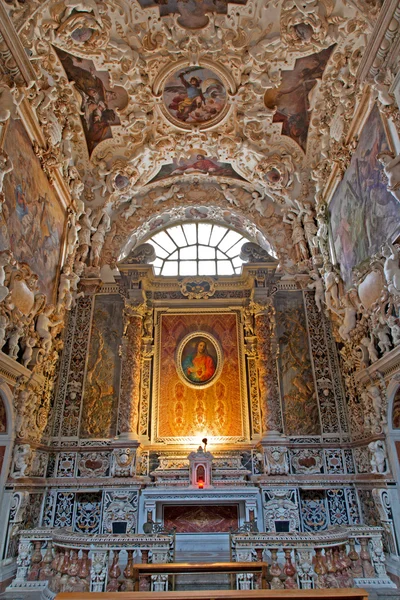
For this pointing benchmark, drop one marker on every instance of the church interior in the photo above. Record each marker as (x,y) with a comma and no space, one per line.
(199,295)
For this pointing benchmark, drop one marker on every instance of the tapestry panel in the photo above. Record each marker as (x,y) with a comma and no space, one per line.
(201,519)
(300,405)
(32,219)
(100,399)
(192,400)
(363,214)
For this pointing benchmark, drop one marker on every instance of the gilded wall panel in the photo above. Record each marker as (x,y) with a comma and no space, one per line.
(206,402)
(300,405)
(32,220)
(100,400)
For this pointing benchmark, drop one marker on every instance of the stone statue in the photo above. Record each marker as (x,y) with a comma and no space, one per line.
(72,235)
(84,235)
(369,344)
(13,341)
(173,191)
(229,194)
(3,328)
(391,168)
(384,342)
(394,329)
(391,268)
(6,166)
(376,397)
(22,460)
(64,290)
(318,286)
(378,456)
(98,239)
(349,317)
(6,258)
(44,324)
(30,343)
(293,217)
(331,280)
(310,228)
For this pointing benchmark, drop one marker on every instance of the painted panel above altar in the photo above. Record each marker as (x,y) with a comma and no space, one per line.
(199,384)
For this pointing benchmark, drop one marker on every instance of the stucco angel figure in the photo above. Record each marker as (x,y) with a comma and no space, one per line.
(394,329)
(318,286)
(230,194)
(331,280)
(6,166)
(44,325)
(168,194)
(87,6)
(369,344)
(84,235)
(6,258)
(391,168)
(391,268)
(378,456)
(293,217)
(98,239)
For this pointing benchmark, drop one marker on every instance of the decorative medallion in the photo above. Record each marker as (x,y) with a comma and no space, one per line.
(196,288)
(194,96)
(199,360)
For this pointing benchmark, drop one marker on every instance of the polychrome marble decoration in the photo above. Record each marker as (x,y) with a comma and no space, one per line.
(300,405)
(194,96)
(199,359)
(100,399)
(187,407)
(201,519)
(363,213)
(32,220)
(100,102)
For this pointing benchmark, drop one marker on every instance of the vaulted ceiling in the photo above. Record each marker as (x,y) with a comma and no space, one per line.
(173,110)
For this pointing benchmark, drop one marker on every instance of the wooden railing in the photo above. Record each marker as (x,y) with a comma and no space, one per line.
(342,594)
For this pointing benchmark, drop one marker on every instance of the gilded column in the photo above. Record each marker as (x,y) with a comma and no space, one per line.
(128,416)
(271,415)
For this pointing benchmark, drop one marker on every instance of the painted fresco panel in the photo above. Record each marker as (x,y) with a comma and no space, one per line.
(187,412)
(100,102)
(100,400)
(292,97)
(300,404)
(201,519)
(363,214)
(192,13)
(198,163)
(32,220)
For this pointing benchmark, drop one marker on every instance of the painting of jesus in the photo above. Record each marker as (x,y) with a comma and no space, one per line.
(199,360)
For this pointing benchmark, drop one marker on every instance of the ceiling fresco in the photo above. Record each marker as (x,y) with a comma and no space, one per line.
(192,14)
(292,98)
(159,104)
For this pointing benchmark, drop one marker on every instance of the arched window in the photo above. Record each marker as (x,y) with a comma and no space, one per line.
(197,249)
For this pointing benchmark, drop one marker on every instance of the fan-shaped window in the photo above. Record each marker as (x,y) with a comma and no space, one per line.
(197,249)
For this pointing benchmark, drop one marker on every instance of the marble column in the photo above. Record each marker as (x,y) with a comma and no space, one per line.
(271,415)
(128,416)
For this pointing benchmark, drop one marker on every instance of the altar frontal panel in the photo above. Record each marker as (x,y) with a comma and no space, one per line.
(199,379)
(201,519)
